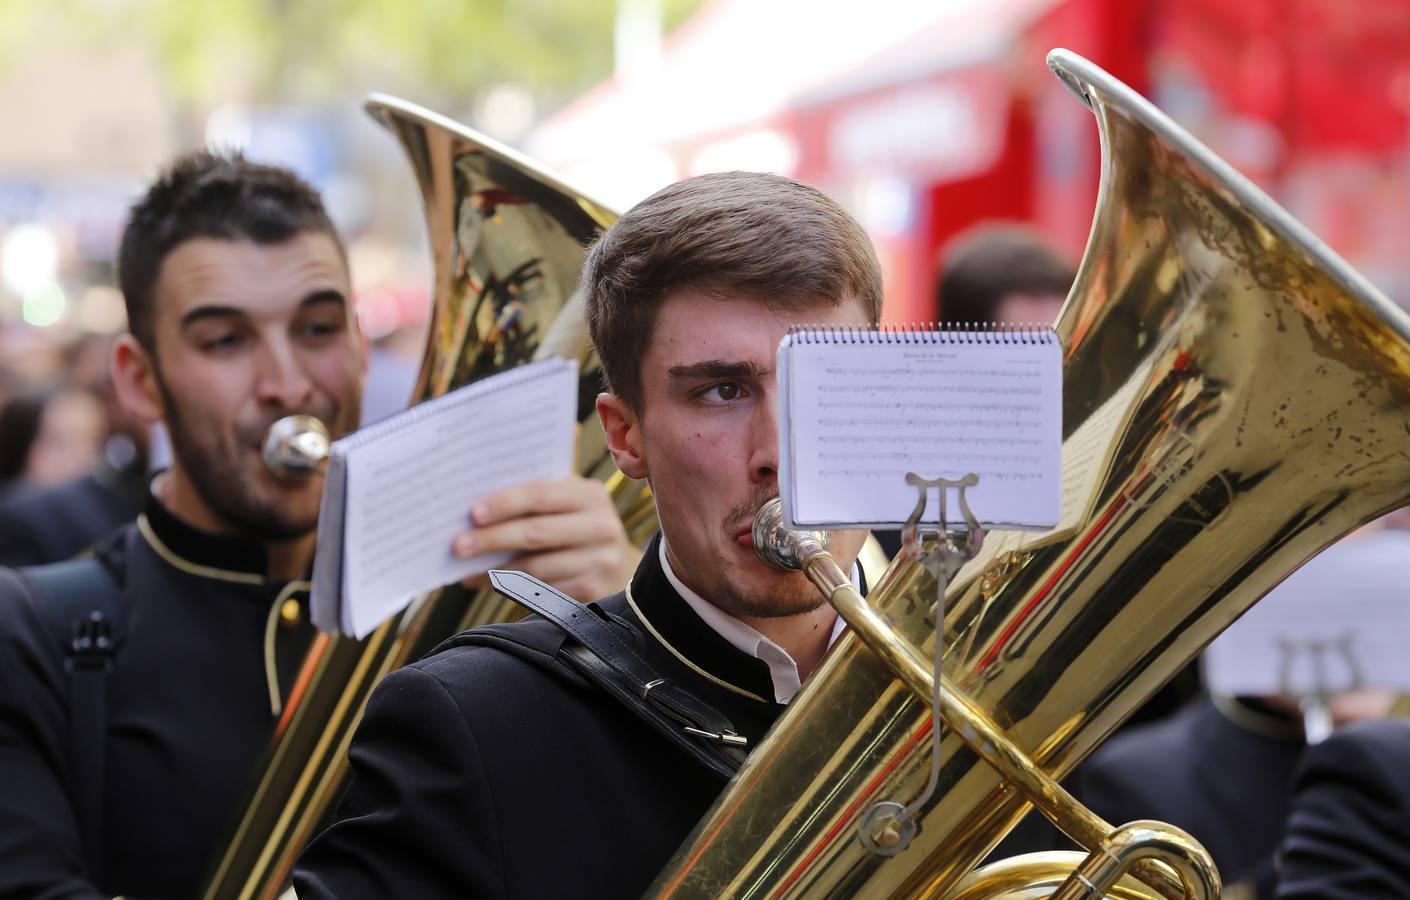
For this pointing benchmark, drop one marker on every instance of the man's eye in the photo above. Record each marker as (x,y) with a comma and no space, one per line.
(222,341)
(722,393)
(321,329)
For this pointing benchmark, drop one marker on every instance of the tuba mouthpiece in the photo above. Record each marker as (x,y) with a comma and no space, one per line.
(780,546)
(296,447)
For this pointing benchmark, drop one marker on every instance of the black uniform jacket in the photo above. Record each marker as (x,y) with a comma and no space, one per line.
(1348,833)
(1224,773)
(55,523)
(189,712)
(477,773)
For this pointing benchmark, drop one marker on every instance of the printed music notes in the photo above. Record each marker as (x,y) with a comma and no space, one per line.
(398,491)
(861,408)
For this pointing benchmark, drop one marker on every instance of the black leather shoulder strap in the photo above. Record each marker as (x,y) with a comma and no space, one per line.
(82,606)
(599,654)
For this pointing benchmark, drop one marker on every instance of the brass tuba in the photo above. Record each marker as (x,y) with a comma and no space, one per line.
(1236,398)
(508,242)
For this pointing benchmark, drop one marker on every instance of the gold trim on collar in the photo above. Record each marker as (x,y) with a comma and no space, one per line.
(185,565)
(713,679)
(271,671)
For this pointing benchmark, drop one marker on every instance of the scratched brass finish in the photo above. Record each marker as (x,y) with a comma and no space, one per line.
(508,242)
(1235,399)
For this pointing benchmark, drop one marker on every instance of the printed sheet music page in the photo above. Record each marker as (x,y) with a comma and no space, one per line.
(404,488)
(860,410)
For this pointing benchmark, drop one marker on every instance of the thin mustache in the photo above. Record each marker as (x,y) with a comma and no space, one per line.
(745,511)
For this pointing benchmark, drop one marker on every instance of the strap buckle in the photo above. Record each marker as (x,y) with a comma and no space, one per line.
(725,738)
(728,738)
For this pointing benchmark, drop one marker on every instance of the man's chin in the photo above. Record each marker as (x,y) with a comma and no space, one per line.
(280,515)
(282,527)
(777,595)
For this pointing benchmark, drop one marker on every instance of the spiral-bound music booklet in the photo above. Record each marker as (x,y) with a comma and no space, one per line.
(398,492)
(861,408)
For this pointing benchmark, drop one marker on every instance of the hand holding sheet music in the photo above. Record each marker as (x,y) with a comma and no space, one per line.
(399,491)
(861,409)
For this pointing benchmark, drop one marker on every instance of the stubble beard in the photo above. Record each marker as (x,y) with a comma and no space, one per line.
(214,467)
(787,593)
(796,596)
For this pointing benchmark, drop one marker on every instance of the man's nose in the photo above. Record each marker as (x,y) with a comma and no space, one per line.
(763,442)
(281,380)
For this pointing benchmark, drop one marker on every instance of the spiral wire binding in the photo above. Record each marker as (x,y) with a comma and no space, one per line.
(946,333)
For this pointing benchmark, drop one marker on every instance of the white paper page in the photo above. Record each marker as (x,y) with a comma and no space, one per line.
(862,415)
(410,492)
(1346,610)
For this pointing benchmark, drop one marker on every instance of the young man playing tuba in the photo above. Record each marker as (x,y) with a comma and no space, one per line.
(491,769)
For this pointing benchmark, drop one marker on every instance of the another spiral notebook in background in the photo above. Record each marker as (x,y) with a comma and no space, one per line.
(860,408)
(398,492)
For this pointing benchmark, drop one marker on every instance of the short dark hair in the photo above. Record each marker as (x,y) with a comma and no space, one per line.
(209,194)
(746,233)
(992,261)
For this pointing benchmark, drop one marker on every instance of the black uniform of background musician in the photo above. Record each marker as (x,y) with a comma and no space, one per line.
(1347,831)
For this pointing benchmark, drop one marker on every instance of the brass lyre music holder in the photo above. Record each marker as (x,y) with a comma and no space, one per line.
(1315,701)
(889,826)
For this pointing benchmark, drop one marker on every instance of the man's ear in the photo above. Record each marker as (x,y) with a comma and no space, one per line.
(364,343)
(623,430)
(135,380)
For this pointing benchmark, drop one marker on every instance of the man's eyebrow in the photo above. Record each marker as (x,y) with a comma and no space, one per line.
(327,295)
(718,368)
(215,311)
(210,312)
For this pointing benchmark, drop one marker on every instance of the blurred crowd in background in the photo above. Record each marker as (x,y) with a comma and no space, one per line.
(925,118)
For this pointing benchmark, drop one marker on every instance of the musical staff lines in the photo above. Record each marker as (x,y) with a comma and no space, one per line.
(859,416)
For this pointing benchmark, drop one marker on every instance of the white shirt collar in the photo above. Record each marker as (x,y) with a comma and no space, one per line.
(783,671)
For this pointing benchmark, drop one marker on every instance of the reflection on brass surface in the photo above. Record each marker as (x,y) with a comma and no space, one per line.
(508,242)
(997,575)
(1235,399)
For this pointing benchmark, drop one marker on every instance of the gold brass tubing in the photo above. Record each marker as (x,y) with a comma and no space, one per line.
(970,722)
(1031,874)
(1137,841)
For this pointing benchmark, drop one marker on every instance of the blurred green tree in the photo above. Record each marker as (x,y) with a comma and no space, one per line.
(309,50)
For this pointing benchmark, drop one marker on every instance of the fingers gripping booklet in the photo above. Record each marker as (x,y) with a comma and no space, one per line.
(861,408)
(397,492)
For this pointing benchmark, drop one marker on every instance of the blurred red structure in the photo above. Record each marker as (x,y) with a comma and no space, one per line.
(955,119)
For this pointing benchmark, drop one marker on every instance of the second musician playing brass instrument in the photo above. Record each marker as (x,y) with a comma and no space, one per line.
(125,745)
(479,772)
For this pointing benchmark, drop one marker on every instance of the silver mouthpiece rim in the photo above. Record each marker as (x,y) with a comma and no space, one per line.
(780,546)
(296,447)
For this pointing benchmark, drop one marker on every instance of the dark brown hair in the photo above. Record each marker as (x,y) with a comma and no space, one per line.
(209,194)
(733,233)
(992,261)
